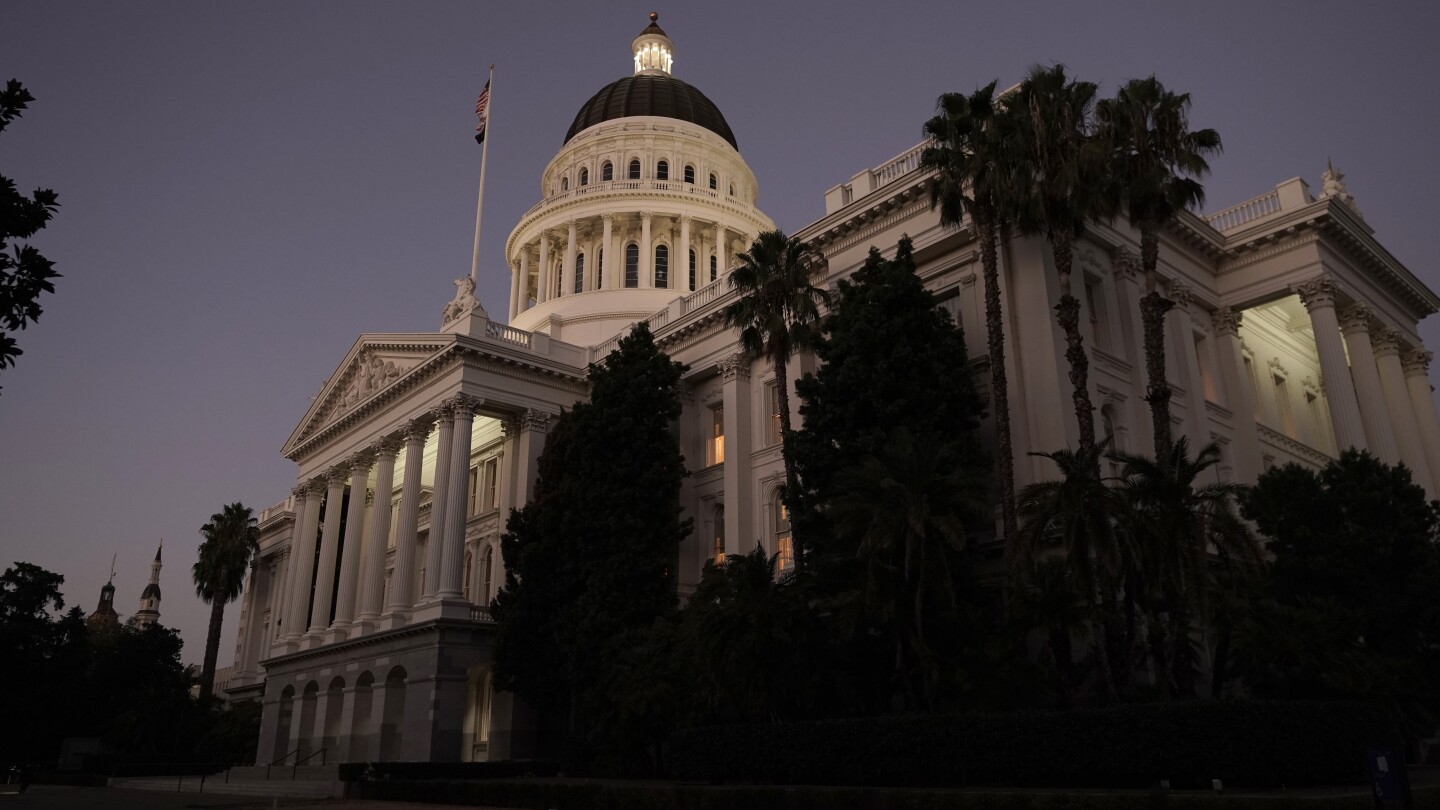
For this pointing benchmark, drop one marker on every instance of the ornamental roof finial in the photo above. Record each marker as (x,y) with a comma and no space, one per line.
(653,51)
(1332,184)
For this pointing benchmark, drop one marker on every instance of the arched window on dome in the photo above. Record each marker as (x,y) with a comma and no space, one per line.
(607,172)
(714,181)
(632,265)
(690,174)
(579,272)
(713,265)
(564,184)
(600,268)
(662,267)
(662,170)
(732,189)
(584,176)
(634,173)
(692,270)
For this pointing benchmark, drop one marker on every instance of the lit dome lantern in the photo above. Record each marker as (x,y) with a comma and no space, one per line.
(654,52)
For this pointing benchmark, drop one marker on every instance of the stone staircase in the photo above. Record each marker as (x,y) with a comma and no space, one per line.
(281,781)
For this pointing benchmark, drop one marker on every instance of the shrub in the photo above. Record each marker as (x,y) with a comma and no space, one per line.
(1244,743)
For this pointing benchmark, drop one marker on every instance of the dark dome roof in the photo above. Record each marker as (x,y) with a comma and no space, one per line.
(663,96)
(150,590)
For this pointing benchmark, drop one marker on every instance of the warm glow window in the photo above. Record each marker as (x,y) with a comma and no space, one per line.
(715,436)
(717,542)
(784,546)
(662,267)
(632,265)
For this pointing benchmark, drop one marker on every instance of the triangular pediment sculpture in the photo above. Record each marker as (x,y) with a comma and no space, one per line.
(373,364)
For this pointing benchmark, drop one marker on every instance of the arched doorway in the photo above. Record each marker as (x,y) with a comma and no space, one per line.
(364,737)
(282,725)
(334,707)
(475,739)
(305,742)
(392,718)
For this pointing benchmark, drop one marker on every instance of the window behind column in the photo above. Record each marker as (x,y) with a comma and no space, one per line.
(580,272)
(634,169)
(632,265)
(690,174)
(607,172)
(715,436)
(662,171)
(692,270)
(662,267)
(713,264)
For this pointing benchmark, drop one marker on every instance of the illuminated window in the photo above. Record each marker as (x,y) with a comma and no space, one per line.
(580,272)
(784,546)
(715,437)
(772,425)
(690,175)
(662,171)
(584,177)
(714,182)
(717,542)
(632,265)
(692,270)
(634,169)
(712,268)
(607,172)
(662,267)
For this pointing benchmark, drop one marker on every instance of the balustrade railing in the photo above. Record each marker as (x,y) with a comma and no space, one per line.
(509,334)
(1248,211)
(908,161)
(704,295)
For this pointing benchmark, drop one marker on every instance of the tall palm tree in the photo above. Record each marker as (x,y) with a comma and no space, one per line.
(1181,529)
(1157,162)
(1081,512)
(908,506)
(232,538)
(776,313)
(1061,183)
(967,154)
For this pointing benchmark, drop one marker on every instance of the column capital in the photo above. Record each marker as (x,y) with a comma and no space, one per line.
(1125,266)
(607,218)
(1385,340)
(361,461)
(417,429)
(463,403)
(685,219)
(1355,318)
(443,413)
(1317,292)
(1227,321)
(338,475)
(387,447)
(645,216)
(1179,292)
(535,421)
(301,491)
(1417,361)
(316,486)
(735,366)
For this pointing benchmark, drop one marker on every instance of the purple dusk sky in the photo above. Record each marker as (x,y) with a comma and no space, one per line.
(247,187)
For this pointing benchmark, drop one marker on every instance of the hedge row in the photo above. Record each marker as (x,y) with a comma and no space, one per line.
(1243,743)
(598,795)
(500,769)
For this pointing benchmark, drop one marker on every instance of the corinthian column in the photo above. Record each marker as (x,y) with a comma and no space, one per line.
(1402,414)
(682,259)
(351,550)
(329,541)
(453,544)
(523,297)
(568,281)
(1355,324)
(302,562)
(1417,379)
(608,256)
(544,287)
(377,535)
(439,499)
(1318,296)
(402,594)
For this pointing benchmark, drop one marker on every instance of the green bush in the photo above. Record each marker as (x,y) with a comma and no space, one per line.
(1244,743)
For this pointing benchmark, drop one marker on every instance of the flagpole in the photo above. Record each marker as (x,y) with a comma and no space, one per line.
(480,197)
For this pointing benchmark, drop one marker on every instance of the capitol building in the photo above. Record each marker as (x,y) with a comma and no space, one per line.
(364,627)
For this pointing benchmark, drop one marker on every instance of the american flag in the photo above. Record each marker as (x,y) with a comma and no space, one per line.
(482,111)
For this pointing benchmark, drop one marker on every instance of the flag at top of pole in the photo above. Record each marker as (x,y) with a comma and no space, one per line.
(482,111)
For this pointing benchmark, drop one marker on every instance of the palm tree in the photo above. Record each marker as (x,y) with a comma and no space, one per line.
(967,154)
(1181,529)
(1080,511)
(232,538)
(776,314)
(1060,184)
(1156,161)
(907,507)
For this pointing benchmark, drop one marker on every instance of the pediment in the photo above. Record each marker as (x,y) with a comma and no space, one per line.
(374,364)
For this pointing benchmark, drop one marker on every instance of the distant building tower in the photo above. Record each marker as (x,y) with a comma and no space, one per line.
(149,611)
(105,615)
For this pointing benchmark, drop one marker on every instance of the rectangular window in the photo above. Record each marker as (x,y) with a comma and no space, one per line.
(1287,415)
(492,483)
(473,490)
(1254,386)
(1095,307)
(784,546)
(1207,374)
(772,422)
(715,436)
